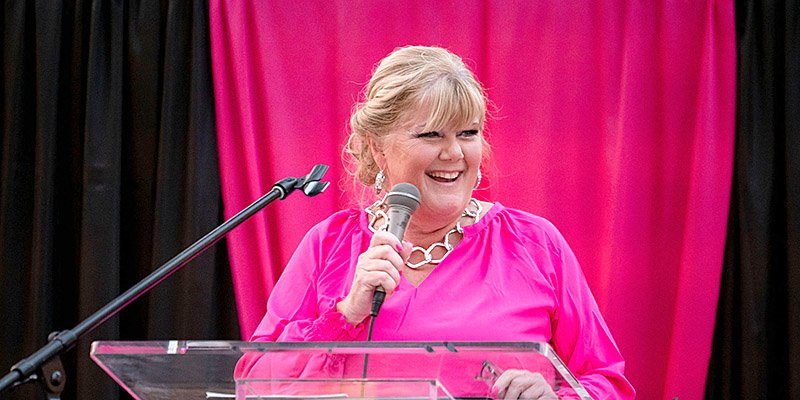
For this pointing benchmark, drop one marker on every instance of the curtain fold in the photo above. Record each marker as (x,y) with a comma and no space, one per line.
(756,353)
(615,120)
(108,169)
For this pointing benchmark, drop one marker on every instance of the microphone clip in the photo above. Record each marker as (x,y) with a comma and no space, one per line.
(310,184)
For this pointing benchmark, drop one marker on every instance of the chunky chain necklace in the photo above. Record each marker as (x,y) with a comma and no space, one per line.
(378,210)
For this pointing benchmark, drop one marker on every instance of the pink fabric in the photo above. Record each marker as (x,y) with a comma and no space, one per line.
(511,278)
(613,119)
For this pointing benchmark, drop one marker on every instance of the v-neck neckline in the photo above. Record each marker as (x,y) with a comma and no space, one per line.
(469,232)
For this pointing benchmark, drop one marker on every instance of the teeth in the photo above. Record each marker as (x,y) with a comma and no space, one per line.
(444,175)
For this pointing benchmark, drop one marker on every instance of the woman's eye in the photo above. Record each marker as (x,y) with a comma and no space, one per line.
(432,134)
(469,133)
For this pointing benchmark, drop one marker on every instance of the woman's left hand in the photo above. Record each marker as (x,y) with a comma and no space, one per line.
(522,384)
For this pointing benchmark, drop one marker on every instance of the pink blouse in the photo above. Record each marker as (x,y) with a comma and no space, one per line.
(511,278)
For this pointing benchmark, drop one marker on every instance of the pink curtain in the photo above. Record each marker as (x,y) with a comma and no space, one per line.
(614,119)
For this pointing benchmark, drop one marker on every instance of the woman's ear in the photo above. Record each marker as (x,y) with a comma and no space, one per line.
(377,152)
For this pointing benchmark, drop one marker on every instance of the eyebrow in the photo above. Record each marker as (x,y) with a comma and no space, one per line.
(473,126)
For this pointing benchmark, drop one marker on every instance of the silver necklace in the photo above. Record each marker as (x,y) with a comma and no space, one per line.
(378,210)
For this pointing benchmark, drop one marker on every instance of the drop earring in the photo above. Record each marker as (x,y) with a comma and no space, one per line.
(478,181)
(379,182)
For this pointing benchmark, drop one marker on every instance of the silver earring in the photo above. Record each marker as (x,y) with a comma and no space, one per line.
(478,181)
(379,182)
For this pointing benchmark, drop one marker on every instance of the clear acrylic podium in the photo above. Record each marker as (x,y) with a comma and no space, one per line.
(325,370)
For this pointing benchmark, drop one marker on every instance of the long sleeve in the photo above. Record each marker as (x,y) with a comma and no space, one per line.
(580,335)
(296,310)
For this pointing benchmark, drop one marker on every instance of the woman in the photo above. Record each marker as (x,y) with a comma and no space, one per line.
(466,270)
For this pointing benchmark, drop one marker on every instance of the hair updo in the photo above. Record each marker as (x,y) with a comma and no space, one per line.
(410,79)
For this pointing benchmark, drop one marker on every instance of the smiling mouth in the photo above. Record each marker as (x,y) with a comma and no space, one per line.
(444,177)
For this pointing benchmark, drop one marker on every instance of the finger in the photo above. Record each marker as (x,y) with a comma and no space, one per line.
(377,272)
(512,392)
(406,251)
(381,259)
(375,279)
(501,385)
(531,385)
(384,252)
(537,391)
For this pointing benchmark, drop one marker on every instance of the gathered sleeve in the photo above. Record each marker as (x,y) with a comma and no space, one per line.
(302,305)
(580,335)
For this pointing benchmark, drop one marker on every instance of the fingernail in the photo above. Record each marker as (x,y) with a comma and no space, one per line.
(398,247)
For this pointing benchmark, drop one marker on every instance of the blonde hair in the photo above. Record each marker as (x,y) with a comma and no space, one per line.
(409,79)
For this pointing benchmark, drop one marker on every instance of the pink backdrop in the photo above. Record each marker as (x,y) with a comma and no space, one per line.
(614,119)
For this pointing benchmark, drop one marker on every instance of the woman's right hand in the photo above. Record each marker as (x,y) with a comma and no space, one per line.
(380,266)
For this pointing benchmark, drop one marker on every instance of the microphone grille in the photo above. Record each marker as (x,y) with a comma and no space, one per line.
(404,194)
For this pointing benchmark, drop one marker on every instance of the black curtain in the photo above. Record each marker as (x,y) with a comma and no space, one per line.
(108,168)
(756,351)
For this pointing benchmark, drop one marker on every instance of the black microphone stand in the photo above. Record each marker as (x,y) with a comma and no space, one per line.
(45,365)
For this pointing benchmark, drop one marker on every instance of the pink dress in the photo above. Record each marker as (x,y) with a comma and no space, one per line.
(511,278)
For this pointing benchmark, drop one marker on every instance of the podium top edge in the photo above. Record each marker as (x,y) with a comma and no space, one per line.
(431,347)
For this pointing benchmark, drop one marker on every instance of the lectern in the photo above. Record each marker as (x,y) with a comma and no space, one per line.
(153,370)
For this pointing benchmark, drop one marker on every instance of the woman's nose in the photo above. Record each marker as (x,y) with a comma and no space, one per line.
(451,150)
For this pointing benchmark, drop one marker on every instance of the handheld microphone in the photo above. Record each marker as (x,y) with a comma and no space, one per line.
(402,200)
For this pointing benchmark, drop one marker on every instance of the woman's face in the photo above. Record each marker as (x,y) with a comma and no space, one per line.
(442,164)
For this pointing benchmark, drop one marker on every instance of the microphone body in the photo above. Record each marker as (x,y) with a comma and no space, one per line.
(402,200)
(398,215)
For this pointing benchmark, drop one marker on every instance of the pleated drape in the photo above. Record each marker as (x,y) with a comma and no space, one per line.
(613,119)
